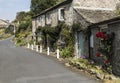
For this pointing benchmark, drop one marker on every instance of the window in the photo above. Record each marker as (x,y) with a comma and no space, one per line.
(61,14)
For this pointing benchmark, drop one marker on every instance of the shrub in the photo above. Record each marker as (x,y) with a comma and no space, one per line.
(65,53)
(68,38)
(21,42)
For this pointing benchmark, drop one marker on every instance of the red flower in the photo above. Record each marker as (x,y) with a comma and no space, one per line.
(107,61)
(98,54)
(100,34)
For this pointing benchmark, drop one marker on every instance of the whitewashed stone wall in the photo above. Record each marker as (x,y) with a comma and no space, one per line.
(53,19)
(33,25)
(42,20)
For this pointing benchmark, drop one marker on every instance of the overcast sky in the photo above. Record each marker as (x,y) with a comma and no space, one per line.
(9,8)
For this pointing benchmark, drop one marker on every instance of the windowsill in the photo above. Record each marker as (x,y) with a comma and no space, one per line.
(61,20)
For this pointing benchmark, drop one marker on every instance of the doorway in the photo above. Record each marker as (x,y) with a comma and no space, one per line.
(81,40)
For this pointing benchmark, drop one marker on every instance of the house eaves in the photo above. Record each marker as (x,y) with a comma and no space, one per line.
(110,21)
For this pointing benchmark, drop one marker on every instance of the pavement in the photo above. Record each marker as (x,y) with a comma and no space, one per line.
(21,65)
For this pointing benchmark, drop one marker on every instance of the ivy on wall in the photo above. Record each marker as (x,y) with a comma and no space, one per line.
(64,33)
(50,35)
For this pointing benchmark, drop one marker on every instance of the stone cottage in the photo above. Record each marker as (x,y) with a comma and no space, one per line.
(112,29)
(85,12)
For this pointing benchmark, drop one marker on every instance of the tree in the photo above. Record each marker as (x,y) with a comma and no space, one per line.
(20,16)
(24,21)
(39,5)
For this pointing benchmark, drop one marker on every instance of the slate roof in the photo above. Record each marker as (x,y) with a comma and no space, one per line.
(95,16)
(113,20)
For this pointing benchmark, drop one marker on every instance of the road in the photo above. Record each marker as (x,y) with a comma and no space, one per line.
(21,65)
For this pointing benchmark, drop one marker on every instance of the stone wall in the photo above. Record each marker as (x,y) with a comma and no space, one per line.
(108,4)
(115,27)
(68,15)
(51,17)
(33,25)
(79,19)
(54,17)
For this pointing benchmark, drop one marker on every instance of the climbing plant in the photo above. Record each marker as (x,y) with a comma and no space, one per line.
(105,49)
(50,35)
(68,37)
(64,33)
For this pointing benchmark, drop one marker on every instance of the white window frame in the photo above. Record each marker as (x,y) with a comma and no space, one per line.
(59,14)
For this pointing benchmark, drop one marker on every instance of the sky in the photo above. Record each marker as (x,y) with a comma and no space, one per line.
(9,8)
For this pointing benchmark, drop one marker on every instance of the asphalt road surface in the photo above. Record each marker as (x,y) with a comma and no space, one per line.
(21,65)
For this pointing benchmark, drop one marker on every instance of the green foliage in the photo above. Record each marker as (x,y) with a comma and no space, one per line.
(65,53)
(51,34)
(25,23)
(21,38)
(68,38)
(20,15)
(76,27)
(21,42)
(7,30)
(24,26)
(5,33)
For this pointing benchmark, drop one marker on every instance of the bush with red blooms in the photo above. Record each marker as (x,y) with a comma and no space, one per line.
(107,61)
(106,46)
(102,35)
(98,54)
